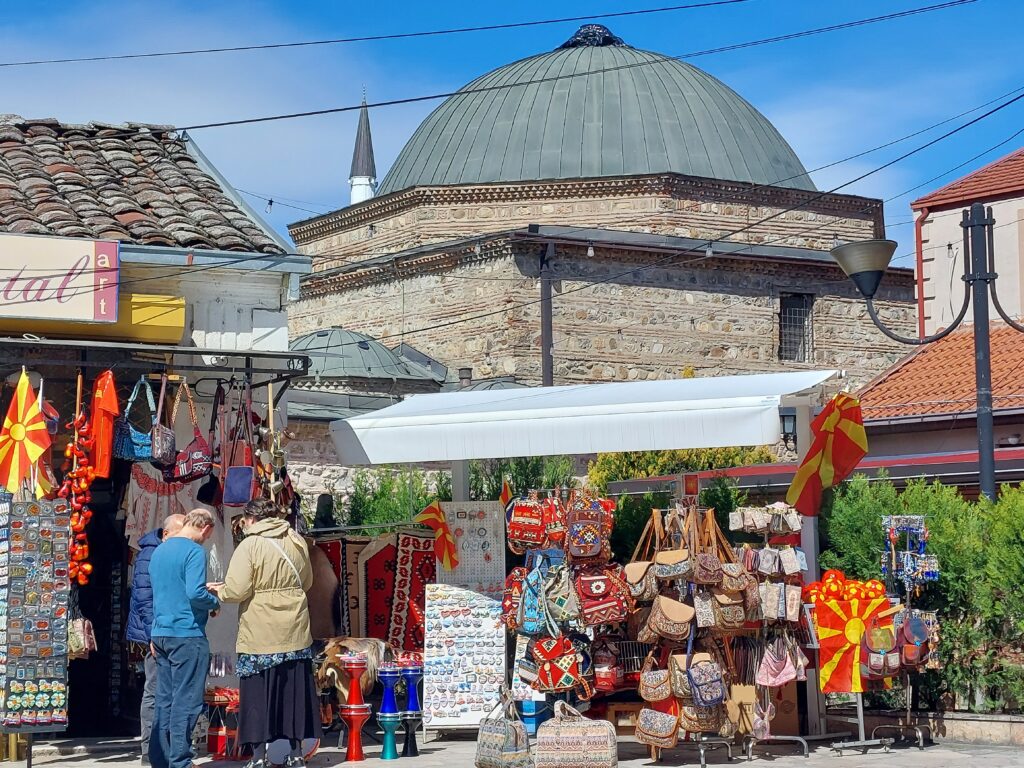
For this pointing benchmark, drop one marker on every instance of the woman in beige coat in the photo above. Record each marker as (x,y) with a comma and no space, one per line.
(268,576)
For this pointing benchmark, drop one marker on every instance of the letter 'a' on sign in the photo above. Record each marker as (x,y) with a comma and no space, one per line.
(58,278)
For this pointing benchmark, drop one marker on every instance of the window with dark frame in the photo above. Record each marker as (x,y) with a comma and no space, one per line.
(795,333)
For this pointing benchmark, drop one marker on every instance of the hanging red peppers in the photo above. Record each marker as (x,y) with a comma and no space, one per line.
(78,476)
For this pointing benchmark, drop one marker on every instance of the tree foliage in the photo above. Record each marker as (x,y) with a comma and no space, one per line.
(388,496)
(524,475)
(611,467)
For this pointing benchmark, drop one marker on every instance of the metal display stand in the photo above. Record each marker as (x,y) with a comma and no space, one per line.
(863,743)
(905,723)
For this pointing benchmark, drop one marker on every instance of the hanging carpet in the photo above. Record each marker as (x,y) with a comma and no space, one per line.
(348,576)
(416,566)
(377,586)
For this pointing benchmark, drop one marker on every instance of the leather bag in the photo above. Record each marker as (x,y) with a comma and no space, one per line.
(195,461)
(502,741)
(131,444)
(913,641)
(570,740)
(696,719)
(241,480)
(643,584)
(879,656)
(658,728)
(728,609)
(655,684)
(670,619)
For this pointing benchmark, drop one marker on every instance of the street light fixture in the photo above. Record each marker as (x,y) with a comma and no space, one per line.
(865,264)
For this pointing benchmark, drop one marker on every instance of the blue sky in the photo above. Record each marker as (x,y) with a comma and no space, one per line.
(830,95)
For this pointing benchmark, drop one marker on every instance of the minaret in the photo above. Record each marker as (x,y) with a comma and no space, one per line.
(363,176)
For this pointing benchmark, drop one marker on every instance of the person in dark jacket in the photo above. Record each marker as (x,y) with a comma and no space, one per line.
(140,620)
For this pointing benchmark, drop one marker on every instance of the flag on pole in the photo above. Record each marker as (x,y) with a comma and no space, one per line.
(444,542)
(506,494)
(838,443)
(23,438)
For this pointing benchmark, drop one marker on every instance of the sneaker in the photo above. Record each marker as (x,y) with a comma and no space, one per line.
(295,762)
(254,763)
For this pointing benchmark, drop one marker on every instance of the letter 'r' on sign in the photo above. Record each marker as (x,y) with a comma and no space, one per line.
(56,278)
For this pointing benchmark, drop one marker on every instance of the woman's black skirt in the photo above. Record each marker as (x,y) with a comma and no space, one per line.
(279,703)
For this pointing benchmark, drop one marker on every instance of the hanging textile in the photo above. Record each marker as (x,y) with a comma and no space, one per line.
(351,548)
(377,586)
(103,412)
(415,567)
(23,438)
(148,501)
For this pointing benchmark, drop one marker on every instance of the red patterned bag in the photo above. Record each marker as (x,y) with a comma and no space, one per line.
(512,597)
(554,522)
(604,595)
(527,526)
(562,665)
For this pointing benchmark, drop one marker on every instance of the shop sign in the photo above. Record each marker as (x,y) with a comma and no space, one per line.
(58,278)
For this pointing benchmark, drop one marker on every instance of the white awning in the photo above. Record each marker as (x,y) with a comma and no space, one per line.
(578,419)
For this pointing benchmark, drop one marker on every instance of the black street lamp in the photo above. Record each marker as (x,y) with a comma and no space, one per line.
(865,263)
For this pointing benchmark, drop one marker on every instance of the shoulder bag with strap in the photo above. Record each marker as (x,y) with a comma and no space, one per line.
(279,548)
(707,685)
(131,444)
(195,461)
(162,436)
(241,483)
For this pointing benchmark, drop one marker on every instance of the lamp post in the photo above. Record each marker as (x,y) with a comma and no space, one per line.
(865,263)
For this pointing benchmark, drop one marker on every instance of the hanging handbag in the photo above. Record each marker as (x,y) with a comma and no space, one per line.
(162,437)
(777,666)
(502,741)
(704,608)
(658,728)
(195,461)
(512,596)
(677,677)
(589,525)
(707,685)
(735,577)
(762,721)
(655,684)
(669,619)
(563,665)
(241,482)
(603,595)
(696,719)
(728,609)
(526,524)
(563,605)
(643,584)
(533,619)
(913,641)
(879,656)
(211,492)
(707,565)
(569,739)
(131,444)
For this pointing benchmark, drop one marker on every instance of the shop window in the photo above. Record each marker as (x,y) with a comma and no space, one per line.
(795,331)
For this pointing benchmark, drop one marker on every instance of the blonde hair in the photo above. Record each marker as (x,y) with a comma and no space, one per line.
(198,519)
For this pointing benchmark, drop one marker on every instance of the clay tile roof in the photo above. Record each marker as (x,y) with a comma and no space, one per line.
(1000,177)
(134,183)
(938,379)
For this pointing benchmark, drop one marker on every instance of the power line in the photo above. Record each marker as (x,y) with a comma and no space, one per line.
(372,38)
(552,78)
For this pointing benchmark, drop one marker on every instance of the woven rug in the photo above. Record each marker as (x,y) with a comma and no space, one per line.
(377,586)
(415,567)
(351,547)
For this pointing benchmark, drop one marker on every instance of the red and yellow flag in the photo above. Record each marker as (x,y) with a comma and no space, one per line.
(838,444)
(841,625)
(23,438)
(444,542)
(506,494)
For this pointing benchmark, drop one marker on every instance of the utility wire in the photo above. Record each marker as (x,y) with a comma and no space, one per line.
(373,38)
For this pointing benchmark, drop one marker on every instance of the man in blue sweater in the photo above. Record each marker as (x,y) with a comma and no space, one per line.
(181,606)
(140,619)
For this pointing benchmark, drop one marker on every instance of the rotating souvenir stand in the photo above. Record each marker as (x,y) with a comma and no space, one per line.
(34,595)
(912,567)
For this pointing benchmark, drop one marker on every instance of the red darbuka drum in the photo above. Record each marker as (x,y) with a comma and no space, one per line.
(278,751)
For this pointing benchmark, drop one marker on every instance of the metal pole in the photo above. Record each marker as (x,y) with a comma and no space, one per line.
(547,373)
(980,278)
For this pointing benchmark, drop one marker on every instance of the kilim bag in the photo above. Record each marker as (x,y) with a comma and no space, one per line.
(728,609)
(563,665)
(655,684)
(589,524)
(502,741)
(570,740)
(526,525)
(657,728)
(603,595)
(533,617)
(512,597)
(643,584)
(129,443)
(677,677)
(554,521)
(694,719)
(707,685)
(670,618)
(563,605)
(195,461)
(162,437)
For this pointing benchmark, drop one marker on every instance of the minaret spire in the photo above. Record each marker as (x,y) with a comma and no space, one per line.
(363,176)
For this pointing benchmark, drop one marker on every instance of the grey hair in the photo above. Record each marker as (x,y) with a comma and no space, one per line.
(199,519)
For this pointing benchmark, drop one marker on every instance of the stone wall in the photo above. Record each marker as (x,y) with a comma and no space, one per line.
(665,204)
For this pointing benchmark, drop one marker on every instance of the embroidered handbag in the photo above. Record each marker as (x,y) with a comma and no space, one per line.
(789,562)
(768,561)
(563,605)
(502,741)
(195,461)
(678,679)
(735,577)
(670,618)
(657,728)
(589,525)
(643,584)
(704,608)
(603,595)
(533,617)
(707,565)
(695,719)
(563,665)
(913,641)
(512,596)
(728,609)
(707,686)
(777,666)
(129,443)
(162,437)
(672,564)
(526,525)
(655,684)
(570,740)
(794,601)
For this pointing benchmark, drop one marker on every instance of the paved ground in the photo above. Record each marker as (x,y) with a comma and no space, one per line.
(459,753)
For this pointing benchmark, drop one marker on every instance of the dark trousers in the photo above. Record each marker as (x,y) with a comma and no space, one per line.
(182,664)
(148,707)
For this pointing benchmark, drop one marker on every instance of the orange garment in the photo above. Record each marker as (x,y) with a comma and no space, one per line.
(101,423)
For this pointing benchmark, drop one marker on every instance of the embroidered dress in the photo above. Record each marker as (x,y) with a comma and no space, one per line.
(250,664)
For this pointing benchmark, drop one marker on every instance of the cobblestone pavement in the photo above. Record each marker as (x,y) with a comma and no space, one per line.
(452,753)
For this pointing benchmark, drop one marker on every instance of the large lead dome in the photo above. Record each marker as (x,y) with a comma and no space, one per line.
(623,112)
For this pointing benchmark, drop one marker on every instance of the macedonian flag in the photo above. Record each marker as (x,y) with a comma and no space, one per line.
(841,625)
(506,494)
(444,542)
(23,438)
(838,443)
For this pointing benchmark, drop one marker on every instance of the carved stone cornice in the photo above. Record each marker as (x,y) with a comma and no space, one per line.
(671,185)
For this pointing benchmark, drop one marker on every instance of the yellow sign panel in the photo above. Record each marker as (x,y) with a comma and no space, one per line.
(140,317)
(51,278)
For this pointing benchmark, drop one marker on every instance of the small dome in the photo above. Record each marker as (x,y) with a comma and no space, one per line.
(623,112)
(337,353)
